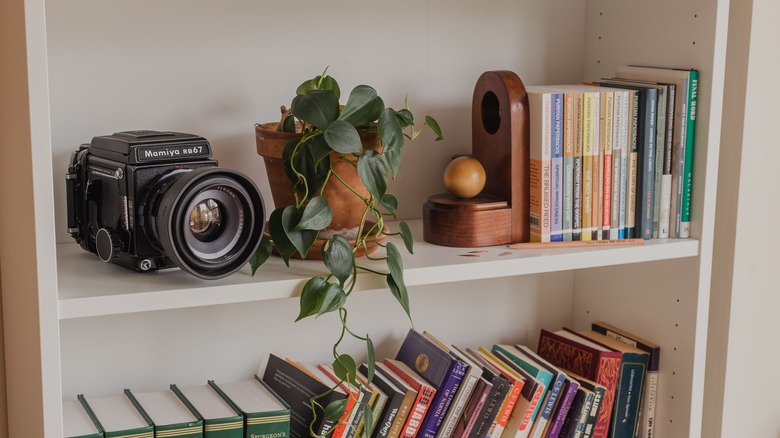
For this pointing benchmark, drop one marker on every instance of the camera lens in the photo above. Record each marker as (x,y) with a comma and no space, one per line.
(209,221)
(205,220)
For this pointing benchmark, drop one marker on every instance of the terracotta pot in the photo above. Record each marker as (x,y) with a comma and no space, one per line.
(347,208)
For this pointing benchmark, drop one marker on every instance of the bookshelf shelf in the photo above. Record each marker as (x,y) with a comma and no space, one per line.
(110,289)
(205,67)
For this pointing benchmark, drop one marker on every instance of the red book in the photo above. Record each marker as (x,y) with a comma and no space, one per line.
(425,393)
(568,350)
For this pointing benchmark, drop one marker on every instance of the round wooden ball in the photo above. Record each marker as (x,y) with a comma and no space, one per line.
(464,177)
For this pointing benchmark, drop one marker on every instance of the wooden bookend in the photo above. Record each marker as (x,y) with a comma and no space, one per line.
(500,141)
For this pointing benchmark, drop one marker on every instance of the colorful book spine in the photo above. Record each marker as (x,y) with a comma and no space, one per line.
(690,138)
(614,229)
(606,164)
(599,392)
(600,366)
(574,424)
(588,107)
(577,169)
(569,133)
(625,151)
(444,396)
(664,226)
(425,395)
(471,411)
(633,168)
(544,376)
(540,105)
(597,164)
(548,408)
(556,164)
(646,174)
(562,408)
(660,135)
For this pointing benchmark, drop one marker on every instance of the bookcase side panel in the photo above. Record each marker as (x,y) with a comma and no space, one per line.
(148,351)
(657,301)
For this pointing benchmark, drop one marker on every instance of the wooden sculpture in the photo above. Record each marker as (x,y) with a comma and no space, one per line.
(500,141)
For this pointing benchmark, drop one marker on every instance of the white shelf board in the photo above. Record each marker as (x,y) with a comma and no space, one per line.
(88,287)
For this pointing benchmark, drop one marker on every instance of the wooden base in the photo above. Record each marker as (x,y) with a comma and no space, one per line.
(480,221)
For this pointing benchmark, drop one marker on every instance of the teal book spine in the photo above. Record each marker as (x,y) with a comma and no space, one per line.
(628,395)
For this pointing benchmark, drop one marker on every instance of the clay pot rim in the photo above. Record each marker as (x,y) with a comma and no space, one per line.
(266,133)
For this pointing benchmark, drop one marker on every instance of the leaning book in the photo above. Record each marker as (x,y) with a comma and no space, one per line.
(77,423)
(220,419)
(264,412)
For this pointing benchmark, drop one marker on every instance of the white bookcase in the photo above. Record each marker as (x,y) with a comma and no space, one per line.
(216,67)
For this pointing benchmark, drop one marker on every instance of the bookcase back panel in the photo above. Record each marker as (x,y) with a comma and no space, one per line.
(657,301)
(215,68)
(148,351)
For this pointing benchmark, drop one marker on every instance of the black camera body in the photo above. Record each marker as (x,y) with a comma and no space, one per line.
(150,200)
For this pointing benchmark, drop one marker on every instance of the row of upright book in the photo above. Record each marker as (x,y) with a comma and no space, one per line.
(577,384)
(613,159)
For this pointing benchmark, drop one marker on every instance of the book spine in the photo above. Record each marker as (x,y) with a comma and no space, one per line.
(556,168)
(631,181)
(606,172)
(595,409)
(528,420)
(582,420)
(562,410)
(660,138)
(505,411)
(597,195)
(443,399)
(453,414)
(549,406)
(569,131)
(539,167)
(690,137)
(587,165)
(577,169)
(491,408)
(472,409)
(678,163)
(647,160)
(649,397)
(666,170)
(570,423)
(628,395)
(614,229)
(624,160)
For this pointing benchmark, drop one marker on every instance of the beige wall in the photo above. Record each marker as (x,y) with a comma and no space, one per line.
(746,290)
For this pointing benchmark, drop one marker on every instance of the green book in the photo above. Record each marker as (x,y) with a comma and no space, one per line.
(117,417)
(166,412)
(76,421)
(220,419)
(264,412)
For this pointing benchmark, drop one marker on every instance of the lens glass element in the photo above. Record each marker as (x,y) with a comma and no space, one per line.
(206,220)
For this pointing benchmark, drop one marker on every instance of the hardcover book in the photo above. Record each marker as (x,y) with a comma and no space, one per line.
(471,375)
(76,421)
(220,419)
(650,392)
(117,417)
(296,387)
(425,394)
(633,367)
(265,412)
(572,352)
(410,396)
(167,413)
(438,368)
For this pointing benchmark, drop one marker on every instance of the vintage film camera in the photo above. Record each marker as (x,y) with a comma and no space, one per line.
(150,200)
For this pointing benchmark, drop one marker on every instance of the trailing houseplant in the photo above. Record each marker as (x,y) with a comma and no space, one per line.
(323,136)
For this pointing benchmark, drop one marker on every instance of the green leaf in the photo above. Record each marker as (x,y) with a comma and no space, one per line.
(434,125)
(289,124)
(368,419)
(319,150)
(363,106)
(395,279)
(261,255)
(279,235)
(405,117)
(319,297)
(308,161)
(393,158)
(390,133)
(335,410)
(316,215)
(338,258)
(343,138)
(345,368)
(373,173)
(320,83)
(371,361)
(328,83)
(406,235)
(390,202)
(316,107)
(300,239)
